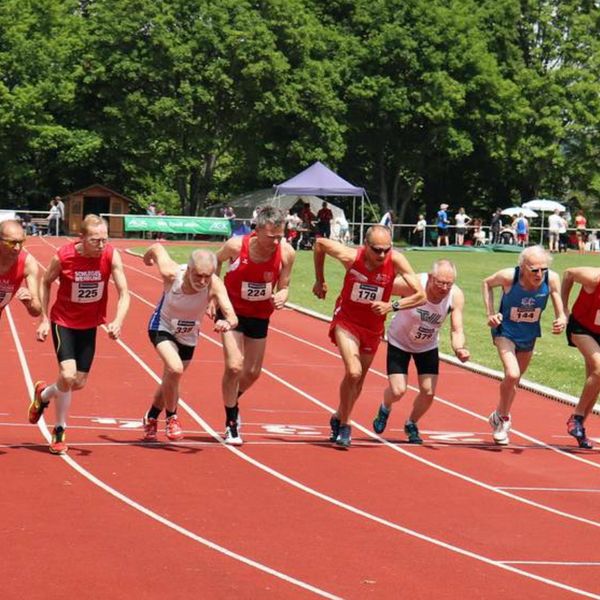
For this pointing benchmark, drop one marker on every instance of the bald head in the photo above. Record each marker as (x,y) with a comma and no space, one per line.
(378,235)
(11,228)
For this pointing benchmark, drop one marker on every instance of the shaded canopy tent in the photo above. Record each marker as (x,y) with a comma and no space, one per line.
(319,180)
(544,205)
(244,205)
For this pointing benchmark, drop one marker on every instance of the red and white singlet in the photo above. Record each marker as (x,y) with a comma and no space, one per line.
(83,291)
(586,310)
(251,285)
(361,287)
(11,281)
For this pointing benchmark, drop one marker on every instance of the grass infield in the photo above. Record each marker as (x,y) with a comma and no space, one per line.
(554,363)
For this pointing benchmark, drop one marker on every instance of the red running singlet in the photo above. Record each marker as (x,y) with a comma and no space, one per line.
(586,310)
(251,285)
(11,281)
(83,291)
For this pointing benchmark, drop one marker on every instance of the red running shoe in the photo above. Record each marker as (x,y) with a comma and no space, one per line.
(58,444)
(150,429)
(37,406)
(173,429)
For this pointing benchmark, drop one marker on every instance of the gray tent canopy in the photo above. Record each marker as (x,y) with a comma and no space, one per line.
(319,180)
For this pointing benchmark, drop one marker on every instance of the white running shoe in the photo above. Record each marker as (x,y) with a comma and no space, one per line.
(500,428)
(232,435)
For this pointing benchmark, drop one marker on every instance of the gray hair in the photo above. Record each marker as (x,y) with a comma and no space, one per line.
(202,256)
(270,215)
(443,262)
(531,251)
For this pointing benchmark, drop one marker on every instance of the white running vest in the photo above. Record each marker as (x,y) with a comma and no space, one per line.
(180,314)
(418,329)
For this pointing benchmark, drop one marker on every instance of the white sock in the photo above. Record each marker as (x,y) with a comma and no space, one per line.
(50,392)
(61,406)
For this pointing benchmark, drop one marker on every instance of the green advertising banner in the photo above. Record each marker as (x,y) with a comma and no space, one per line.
(191,225)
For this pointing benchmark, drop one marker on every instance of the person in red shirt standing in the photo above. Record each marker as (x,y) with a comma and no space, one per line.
(583,332)
(360,310)
(260,266)
(83,268)
(16,266)
(324,217)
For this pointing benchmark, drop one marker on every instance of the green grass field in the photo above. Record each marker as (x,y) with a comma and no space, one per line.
(554,364)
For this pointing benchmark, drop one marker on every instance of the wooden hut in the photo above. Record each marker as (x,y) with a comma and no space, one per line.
(96,199)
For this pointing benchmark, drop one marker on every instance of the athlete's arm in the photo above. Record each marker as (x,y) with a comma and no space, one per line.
(288,256)
(587,277)
(502,279)
(218,293)
(560,318)
(29,295)
(51,274)
(414,294)
(230,250)
(457,333)
(322,247)
(114,327)
(167,267)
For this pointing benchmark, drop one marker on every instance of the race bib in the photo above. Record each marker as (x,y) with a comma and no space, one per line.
(255,292)
(365,293)
(183,326)
(84,292)
(420,334)
(5,298)
(519,314)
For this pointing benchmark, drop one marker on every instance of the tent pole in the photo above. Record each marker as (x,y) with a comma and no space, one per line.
(362,217)
(353,216)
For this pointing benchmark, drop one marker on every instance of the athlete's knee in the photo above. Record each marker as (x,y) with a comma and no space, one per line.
(354,374)
(174,371)
(233,368)
(251,374)
(511,377)
(396,392)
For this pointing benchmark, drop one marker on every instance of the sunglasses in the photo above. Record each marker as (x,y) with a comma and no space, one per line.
(540,270)
(379,250)
(12,243)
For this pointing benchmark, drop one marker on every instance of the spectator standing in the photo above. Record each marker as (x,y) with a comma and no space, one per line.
(343,229)
(442,225)
(580,232)
(324,218)
(419,231)
(563,236)
(462,220)
(495,227)
(555,223)
(61,208)
(229,214)
(521,227)
(292,224)
(54,218)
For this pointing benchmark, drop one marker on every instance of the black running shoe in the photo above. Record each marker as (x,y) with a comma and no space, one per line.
(334,423)
(380,421)
(344,438)
(577,430)
(412,432)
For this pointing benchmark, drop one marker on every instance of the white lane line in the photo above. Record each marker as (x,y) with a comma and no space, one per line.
(451,404)
(351,508)
(549,489)
(146,511)
(551,562)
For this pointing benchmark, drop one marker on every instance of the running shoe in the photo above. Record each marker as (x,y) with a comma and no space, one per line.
(173,429)
(37,405)
(380,421)
(412,433)
(58,444)
(577,430)
(344,437)
(500,428)
(232,435)
(150,429)
(334,423)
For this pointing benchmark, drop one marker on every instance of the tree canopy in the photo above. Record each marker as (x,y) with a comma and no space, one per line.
(476,103)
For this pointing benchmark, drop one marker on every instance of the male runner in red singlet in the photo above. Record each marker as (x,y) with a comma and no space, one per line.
(583,331)
(360,310)
(16,265)
(84,268)
(257,283)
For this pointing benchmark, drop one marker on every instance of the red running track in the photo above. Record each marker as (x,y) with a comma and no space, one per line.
(456,517)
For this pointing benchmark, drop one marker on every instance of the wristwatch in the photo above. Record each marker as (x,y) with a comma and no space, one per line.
(395,305)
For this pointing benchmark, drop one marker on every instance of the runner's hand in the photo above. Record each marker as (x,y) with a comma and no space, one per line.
(320,290)
(558,325)
(42,331)
(114,330)
(381,308)
(222,326)
(279,299)
(23,294)
(494,320)
(462,354)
